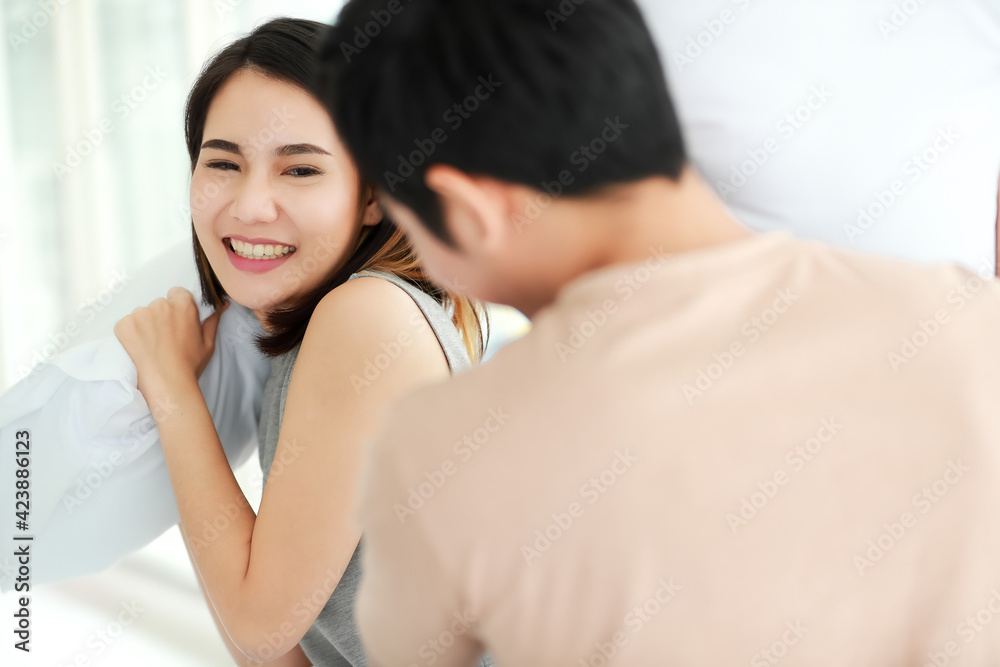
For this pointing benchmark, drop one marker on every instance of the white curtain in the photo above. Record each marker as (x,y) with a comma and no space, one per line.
(93,169)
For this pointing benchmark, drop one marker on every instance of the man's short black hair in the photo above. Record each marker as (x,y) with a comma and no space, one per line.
(565,96)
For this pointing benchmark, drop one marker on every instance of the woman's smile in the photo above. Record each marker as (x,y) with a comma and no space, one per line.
(256,257)
(268,191)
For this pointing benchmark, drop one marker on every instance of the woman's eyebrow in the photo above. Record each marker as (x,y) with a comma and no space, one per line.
(283,151)
(300,149)
(222,145)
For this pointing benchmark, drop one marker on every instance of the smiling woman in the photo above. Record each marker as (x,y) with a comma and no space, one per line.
(247,178)
(283,225)
(261,144)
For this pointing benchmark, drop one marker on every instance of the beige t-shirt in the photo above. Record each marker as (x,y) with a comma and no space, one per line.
(767,452)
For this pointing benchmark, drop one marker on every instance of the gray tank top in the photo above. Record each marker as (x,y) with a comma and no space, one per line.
(333,639)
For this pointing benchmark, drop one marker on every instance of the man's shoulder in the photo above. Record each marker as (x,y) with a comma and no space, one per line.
(431,417)
(438,447)
(910,283)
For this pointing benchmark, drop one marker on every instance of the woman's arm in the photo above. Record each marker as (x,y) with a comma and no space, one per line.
(269,575)
(294,658)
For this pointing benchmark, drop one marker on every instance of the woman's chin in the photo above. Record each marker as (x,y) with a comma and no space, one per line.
(255,302)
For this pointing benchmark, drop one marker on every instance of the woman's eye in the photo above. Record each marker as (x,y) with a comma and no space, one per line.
(223,165)
(303,171)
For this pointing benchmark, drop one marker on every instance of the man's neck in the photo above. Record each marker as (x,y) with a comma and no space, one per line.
(670,217)
(623,225)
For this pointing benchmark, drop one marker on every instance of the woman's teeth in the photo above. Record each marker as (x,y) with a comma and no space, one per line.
(249,251)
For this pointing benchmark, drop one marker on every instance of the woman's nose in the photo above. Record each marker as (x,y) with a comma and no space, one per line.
(254,202)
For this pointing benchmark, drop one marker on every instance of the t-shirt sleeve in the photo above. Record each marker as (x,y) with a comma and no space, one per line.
(409,609)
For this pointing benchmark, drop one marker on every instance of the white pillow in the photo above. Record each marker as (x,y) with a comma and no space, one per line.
(98,483)
(904,93)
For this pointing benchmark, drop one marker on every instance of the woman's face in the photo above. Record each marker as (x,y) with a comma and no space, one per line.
(274,194)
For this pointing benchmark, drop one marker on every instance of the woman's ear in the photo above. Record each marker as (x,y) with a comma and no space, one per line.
(372,211)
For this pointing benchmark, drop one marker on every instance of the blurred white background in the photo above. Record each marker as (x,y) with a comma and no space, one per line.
(93,170)
(94,183)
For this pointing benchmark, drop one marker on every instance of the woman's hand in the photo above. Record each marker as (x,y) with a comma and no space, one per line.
(167,342)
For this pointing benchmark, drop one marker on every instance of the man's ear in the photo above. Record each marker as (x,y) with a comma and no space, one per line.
(474,208)
(372,211)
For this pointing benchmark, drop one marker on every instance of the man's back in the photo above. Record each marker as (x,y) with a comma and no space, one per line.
(764,451)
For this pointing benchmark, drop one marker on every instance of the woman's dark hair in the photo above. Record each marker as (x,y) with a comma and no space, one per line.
(285,49)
